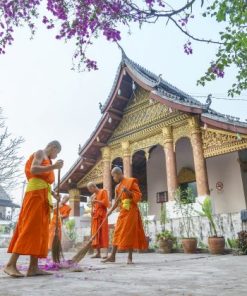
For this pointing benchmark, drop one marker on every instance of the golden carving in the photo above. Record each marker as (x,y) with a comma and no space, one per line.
(186,175)
(167,134)
(194,124)
(94,175)
(146,143)
(74,195)
(106,153)
(181,131)
(125,148)
(216,142)
(141,113)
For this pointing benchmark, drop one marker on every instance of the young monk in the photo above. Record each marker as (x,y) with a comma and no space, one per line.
(32,230)
(100,203)
(129,233)
(64,211)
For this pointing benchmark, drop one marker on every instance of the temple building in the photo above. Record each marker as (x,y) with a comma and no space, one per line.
(165,138)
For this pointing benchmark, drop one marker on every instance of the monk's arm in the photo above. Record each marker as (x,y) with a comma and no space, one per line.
(37,168)
(134,192)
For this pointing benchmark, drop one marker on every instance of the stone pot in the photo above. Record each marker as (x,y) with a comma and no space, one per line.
(216,245)
(189,245)
(165,245)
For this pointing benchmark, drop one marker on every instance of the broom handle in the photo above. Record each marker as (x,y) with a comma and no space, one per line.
(96,233)
(58,193)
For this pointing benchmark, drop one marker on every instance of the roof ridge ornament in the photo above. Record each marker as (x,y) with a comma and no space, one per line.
(124,56)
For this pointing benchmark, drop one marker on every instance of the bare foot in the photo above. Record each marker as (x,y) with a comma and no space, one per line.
(96,256)
(109,259)
(130,261)
(105,257)
(38,272)
(13,271)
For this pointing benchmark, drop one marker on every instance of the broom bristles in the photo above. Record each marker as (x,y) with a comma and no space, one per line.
(82,253)
(57,253)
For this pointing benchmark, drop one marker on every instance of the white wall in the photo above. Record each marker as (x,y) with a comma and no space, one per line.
(243,157)
(226,169)
(156,178)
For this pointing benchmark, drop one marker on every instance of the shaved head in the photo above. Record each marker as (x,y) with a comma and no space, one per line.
(117,174)
(54,144)
(92,187)
(117,170)
(91,184)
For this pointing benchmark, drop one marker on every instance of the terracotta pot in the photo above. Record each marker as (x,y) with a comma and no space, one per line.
(165,245)
(189,245)
(216,245)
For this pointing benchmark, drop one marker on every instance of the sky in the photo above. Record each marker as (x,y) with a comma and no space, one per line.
(43,99)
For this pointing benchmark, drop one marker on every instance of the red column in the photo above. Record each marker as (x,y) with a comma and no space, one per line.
(127,165)
(199,160)
(107,179)
(74,202)
(171,169)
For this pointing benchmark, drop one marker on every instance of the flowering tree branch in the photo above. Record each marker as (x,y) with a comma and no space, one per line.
(81,21)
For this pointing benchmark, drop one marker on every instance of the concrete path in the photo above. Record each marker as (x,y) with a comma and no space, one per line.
(153,274)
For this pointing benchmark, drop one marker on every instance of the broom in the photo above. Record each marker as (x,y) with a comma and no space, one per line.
(83,251)
(56,244)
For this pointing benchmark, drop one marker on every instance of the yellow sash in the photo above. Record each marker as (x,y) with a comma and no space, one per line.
(38,184)
(126,203)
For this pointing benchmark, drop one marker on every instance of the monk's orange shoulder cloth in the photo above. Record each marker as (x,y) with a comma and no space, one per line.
(129,232)
(32,230)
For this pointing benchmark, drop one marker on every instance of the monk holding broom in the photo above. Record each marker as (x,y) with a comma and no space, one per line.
(32,230)
(64,211)
(129,233)
(100,203)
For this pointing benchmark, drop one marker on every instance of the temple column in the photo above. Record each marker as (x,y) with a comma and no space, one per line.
(74,202)
(127,166)
(171,169)
(107,179)
(199,160)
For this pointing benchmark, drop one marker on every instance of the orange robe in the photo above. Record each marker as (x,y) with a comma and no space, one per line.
(64,211)
(98,215)
(129,232)
(32,230)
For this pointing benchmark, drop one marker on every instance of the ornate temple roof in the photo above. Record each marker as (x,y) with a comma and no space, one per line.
(129,75)
(5,200)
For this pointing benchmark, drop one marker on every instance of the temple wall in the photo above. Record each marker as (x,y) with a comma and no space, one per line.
(226,169)
(228,225)
(184,155)
(156,178)
(243,157)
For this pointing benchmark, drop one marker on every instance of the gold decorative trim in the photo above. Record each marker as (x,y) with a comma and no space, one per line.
(186,175)
(94,175)
(217,142)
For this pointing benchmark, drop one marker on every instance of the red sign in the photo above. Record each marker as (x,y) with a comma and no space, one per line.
(219,186)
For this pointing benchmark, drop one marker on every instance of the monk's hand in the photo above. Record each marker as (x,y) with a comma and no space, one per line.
(128,192)
(58,164)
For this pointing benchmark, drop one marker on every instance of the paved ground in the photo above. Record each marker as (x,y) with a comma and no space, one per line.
(153,274)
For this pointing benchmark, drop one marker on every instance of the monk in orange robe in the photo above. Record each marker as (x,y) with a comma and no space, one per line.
(129,233)
(32,230)
(64,211)
(100,203)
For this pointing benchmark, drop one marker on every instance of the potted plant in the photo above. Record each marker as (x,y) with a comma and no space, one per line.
(69,235)
(165,241)
(184,200)
(216,244)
